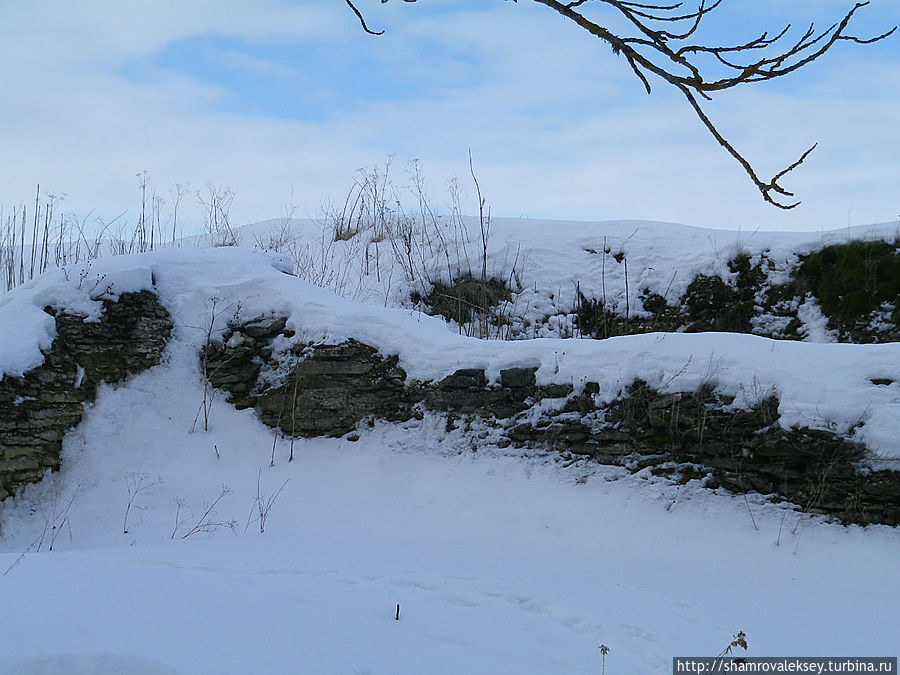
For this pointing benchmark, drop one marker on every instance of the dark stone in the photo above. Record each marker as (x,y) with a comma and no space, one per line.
(555,390)
(518,378)
(467,391)
(465,378)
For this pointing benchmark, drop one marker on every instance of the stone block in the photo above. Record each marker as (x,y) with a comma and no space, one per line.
(514,378)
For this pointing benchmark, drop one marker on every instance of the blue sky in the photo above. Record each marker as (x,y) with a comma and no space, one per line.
(284,101)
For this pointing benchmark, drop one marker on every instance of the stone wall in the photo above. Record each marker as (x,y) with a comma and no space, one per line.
(326,390)
(36,410)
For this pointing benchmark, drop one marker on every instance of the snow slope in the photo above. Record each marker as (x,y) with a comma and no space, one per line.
(500,562)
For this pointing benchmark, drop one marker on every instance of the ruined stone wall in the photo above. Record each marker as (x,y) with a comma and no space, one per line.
(326,390)
(36,410)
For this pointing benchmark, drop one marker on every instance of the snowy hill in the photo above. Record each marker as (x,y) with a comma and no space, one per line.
(179,549)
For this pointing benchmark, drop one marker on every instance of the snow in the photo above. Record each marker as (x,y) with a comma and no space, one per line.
(815,324)
(500,561)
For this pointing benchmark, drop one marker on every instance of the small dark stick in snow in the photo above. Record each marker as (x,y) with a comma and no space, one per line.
(397,615)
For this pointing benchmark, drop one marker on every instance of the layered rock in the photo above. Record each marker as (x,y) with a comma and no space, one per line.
(37,409)
(327,390)
(332,388)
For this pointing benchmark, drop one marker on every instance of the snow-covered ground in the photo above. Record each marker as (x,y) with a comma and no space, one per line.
(500,562)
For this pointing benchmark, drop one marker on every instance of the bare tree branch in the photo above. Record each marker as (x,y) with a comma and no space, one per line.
(660,46)
(362,20)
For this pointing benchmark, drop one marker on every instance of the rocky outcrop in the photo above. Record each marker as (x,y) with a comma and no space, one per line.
(327,390)
(36,410)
